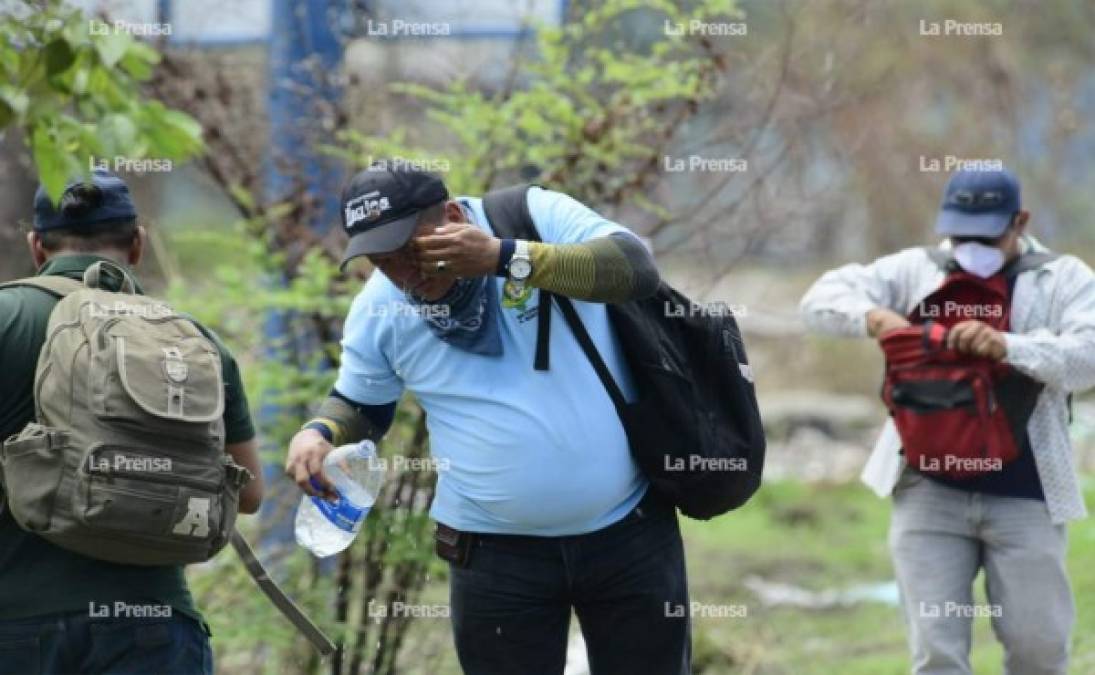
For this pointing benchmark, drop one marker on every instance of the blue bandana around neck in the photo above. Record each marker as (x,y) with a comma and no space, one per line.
(466,317)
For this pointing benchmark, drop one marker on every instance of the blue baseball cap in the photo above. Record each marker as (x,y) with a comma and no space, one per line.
(978,204)
(380,206)
(113,204)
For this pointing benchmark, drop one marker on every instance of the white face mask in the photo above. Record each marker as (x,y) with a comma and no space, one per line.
(979,259)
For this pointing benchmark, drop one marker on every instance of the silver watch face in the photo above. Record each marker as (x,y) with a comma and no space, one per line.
(520,268)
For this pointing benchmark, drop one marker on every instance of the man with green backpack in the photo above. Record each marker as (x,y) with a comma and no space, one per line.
(129,450)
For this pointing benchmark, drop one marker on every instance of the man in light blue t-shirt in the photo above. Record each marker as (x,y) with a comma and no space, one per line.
(540,507)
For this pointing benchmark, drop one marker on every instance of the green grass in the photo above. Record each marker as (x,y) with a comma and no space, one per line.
(822,537)
(816,537)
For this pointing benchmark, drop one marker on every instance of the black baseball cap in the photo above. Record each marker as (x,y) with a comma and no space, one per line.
(113,204)
(380,206)
(978,204)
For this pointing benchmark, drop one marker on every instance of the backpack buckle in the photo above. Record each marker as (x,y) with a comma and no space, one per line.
(56,439)
(237,475)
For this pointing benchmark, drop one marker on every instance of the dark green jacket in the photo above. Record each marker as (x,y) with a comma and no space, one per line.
(37,577)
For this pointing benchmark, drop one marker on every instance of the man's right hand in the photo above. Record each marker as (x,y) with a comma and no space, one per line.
(882,320)
(305,461)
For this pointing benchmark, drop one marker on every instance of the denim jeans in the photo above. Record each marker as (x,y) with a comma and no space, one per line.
(77,643)
(511,603)
(940,538)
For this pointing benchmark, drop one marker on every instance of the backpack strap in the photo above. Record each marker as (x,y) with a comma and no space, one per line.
(509,216)
(285,605)
(1030,261)
(942,258)
(55,285)
(507,210)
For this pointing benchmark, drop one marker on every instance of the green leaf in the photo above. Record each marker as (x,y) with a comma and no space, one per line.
(59,56)
(139,60)
(112,47)
(51,160)
(77,32)
(15,99)
(79,81)
(184,123)
(119,133)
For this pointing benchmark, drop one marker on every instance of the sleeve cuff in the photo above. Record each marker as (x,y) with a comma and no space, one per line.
(505,253)
(1016,350)
(323,428)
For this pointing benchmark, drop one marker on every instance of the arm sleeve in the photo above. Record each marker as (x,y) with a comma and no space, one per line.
(347,421)
(584,255)
(1065,359)
(365,374)
(838,302)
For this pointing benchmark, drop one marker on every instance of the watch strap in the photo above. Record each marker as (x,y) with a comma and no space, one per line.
(505,254)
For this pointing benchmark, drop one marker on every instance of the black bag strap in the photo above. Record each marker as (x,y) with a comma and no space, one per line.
(507,211)
(590,349)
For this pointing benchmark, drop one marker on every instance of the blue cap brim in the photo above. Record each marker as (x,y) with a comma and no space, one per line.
(381,239)
(955,223)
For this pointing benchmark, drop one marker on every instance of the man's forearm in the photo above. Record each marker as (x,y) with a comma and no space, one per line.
(616,268)
(1065,362)
(342,420)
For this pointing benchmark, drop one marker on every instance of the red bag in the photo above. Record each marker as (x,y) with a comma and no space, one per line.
(958,416)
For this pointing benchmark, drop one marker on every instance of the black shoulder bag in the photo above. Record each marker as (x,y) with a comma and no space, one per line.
(695,430)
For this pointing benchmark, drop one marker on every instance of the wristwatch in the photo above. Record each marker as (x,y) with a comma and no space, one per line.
(520,265)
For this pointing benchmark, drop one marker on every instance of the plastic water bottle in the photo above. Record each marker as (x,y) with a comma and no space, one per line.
(324,527)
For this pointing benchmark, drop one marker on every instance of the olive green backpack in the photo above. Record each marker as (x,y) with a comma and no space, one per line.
(125,460)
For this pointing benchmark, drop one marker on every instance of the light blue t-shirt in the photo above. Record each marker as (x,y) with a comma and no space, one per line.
(519,451)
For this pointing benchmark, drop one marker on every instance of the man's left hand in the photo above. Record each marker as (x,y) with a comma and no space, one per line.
(977,339)
(464,249)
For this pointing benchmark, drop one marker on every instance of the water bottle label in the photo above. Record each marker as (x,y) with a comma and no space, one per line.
(342,514)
